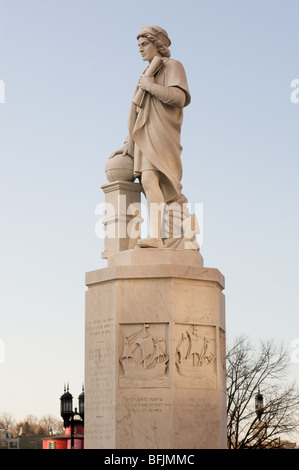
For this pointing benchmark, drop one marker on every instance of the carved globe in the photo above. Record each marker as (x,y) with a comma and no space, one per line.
(120,167)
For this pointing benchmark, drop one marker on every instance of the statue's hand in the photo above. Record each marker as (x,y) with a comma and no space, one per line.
(123,151)
(145,82)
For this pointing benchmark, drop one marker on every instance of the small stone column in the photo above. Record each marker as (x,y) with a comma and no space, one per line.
(122,205)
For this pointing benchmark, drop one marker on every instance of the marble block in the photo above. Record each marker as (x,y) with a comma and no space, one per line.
(155,353)
(122,203)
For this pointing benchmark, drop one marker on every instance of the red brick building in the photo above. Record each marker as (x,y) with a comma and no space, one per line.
(64,441)
(73,437)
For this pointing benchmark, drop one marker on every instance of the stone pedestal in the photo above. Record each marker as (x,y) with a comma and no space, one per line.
(155,353)
(122,219)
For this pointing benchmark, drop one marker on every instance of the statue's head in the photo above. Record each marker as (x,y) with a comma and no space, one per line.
(158,37)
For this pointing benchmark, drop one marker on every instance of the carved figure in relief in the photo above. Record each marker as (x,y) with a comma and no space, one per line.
(144,357)
(154,124)
(193,353)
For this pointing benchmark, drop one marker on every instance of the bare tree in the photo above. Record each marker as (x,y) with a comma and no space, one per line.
(259,370)
(51,424)
(6,421)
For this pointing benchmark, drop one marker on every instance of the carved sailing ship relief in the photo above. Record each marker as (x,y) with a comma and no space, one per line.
(144,358)
(195,356)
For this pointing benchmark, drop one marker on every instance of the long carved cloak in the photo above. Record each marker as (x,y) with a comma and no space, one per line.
(155,129)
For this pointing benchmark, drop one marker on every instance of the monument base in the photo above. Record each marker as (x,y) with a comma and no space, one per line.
(155,353)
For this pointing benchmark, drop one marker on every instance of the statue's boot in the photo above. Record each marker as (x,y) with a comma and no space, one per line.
(149,242)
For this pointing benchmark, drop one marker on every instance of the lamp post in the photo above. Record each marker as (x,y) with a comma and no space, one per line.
(70,417)
(261,431)
(259,405)
(81,404)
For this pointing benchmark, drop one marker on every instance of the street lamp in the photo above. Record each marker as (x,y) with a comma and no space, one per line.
(70,417)
(81,403)
(259,405)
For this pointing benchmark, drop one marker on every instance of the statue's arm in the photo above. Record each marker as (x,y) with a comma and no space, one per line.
(123,151)
(171,95)
(126,149)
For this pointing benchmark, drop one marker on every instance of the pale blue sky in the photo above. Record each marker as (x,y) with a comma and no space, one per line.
(70,68)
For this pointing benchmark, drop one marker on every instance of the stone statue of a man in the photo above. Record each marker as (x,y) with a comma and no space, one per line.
(154,133)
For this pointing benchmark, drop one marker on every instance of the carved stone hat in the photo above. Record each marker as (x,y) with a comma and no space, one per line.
(156,31)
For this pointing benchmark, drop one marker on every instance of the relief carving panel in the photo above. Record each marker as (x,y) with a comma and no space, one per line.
(143,357)
(195,356)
